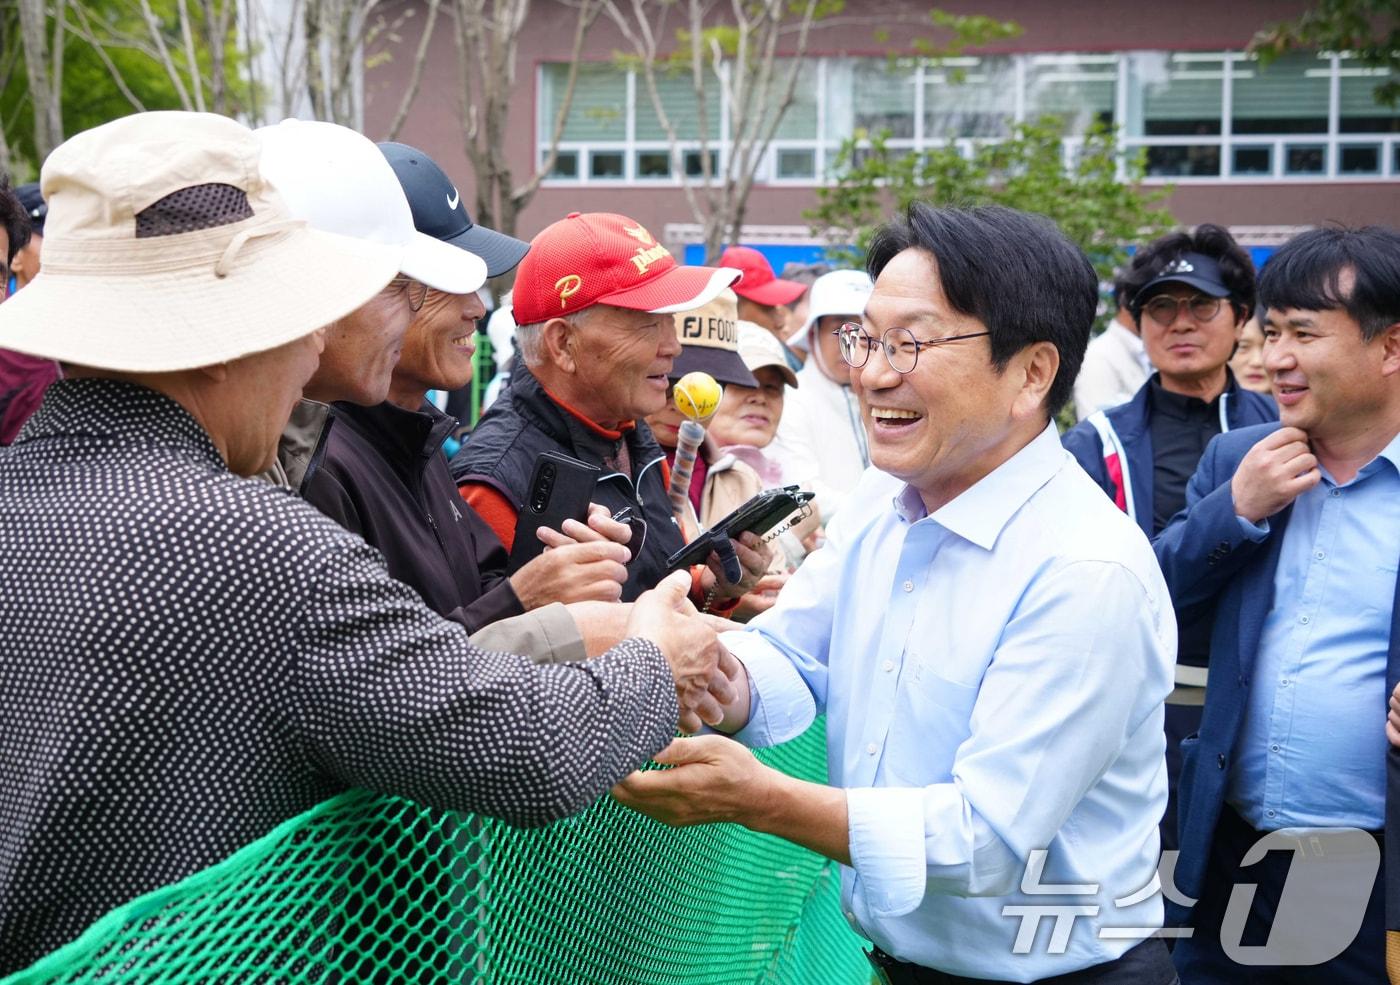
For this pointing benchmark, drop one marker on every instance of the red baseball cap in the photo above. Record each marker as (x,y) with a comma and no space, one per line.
(603,258)
(760,284)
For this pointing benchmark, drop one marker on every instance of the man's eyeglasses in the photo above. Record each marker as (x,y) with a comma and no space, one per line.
(1164,310)
(416,290)
(900,345)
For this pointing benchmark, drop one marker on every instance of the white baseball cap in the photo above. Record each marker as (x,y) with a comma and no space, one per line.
(841,292)
(340,182)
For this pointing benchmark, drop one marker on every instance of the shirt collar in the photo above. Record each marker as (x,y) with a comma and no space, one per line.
(981,512)
(94,408)
(1391,453)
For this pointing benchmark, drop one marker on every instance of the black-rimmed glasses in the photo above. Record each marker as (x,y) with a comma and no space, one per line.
(416,290)
(900,346)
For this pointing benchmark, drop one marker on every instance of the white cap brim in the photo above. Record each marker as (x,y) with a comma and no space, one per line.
(442,266)
(719,279)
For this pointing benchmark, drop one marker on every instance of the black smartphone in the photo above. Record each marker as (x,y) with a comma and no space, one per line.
(759,515)
(560,489)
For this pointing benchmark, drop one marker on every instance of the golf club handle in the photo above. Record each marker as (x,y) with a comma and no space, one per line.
(691,437)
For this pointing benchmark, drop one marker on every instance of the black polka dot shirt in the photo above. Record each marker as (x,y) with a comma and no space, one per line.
(188,658)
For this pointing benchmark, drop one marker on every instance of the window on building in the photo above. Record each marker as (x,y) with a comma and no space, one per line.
(800,120)
(795,163)
(1174,93)
(694,164)
(970,97)
(1359,159)
(606,165)
(599,108)
(1305,159)
(881,96)
(653,164)
(1079,89)
(1358,111)
(1290,96)
(682,109)
(1201,115)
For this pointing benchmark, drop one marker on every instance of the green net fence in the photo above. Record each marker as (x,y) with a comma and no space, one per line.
(374,889)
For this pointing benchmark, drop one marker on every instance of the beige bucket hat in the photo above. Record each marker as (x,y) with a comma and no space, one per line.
(166,249)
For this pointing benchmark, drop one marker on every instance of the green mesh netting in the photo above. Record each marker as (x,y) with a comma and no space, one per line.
(374,889)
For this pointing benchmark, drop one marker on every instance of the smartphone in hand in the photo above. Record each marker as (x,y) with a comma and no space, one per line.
(561,488)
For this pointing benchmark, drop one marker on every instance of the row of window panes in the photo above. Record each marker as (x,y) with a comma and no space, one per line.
(1157,94)
(1297,159)
(1253,160)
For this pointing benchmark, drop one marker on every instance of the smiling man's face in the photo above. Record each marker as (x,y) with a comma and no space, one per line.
(949,422)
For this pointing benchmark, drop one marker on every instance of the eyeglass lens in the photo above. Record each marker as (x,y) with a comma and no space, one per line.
(1165,310)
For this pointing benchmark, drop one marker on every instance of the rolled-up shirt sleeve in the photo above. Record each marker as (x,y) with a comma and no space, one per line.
(1085,659)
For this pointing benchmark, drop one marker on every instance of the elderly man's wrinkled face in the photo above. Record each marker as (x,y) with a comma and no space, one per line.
(621,360)
(362,349)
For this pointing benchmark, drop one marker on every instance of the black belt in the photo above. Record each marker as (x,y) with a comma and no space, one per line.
(1147,963)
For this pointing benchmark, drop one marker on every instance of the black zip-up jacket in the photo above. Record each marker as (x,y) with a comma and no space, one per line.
(384,477)
(525,420)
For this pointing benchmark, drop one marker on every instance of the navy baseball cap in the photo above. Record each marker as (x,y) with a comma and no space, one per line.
(438,210)
(1196,269)
(34,205)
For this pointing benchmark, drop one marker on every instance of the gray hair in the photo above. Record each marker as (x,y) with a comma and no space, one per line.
(530,337)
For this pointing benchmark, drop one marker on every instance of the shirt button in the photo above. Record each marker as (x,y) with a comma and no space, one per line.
(1335,493)
(908,586)
(1304,620)
(1320,555)
(1273,748)
(872,749)
(1271,813)
(1283,683)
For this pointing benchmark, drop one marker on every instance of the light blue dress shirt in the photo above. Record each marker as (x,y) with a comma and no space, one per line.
(993,678)
(1311,751)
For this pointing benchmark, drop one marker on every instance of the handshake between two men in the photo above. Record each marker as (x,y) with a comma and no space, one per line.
(585,566)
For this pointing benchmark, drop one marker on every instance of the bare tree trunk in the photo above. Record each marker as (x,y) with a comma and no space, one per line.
(416,77)
(754,86)
(43,73)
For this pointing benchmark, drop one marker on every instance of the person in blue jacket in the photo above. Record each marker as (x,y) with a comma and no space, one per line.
(1190,295)
(1294,530)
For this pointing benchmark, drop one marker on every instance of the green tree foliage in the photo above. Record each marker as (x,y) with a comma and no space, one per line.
(111,68)
(1369,29)
(1096,209)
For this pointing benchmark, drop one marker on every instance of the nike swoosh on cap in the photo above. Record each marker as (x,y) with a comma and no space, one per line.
(454,198)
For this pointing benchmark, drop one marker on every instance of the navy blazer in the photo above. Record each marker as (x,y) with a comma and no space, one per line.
(1204,554)
(1133,423)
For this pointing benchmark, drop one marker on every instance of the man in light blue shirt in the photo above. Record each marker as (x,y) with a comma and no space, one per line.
(989,637)
(1295,530)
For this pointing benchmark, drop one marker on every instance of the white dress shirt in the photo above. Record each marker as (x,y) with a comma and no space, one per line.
(993,678)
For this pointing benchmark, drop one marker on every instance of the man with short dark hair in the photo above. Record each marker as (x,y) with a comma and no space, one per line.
(1190,295)
(1293,529)
(989,639)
